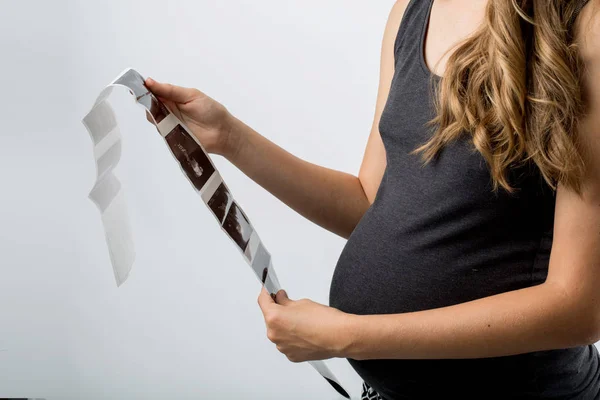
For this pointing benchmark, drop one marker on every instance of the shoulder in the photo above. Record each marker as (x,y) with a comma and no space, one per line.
(587,32)
(394,21)
(397,13)
(399,7)
(587,37)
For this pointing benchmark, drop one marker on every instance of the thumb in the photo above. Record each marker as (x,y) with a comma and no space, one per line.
(282,298)
(177,94)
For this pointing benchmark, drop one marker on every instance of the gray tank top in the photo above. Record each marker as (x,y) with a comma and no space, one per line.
(437,235)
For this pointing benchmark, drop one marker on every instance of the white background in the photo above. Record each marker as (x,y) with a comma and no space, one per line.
(186,324)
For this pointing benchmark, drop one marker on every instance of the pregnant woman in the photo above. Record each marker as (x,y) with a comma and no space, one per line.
(472,266)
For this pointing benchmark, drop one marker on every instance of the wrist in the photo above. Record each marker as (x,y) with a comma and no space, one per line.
(231,132)
(348,336)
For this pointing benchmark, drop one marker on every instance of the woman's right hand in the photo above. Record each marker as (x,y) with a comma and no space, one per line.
(209,120)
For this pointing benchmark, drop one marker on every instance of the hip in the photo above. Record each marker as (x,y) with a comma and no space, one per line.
(572,373)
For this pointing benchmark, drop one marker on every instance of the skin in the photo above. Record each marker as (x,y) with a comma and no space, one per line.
(562,312)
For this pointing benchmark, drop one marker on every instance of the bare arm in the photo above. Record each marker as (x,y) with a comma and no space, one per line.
(332,199)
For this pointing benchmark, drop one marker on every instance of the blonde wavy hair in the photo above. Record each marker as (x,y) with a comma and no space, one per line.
(515,87)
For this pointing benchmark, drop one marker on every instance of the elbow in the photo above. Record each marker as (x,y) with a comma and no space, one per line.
(352,221)
(580,324)
(576,332)
(589,317)
(584,330)
(348,229)
(590,333)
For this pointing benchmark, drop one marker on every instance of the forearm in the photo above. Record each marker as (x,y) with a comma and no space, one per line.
(532,319)
(332,199)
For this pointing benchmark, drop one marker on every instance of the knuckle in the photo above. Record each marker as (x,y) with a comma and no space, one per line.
(271,318)
(170,89)
(293,358)
(271,335)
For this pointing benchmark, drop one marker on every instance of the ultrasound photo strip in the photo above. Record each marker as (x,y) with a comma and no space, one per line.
(192,159)
(196,165)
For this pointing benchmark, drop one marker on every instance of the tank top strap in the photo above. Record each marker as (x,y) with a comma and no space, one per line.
(582,3)
(411,26)
(578,8)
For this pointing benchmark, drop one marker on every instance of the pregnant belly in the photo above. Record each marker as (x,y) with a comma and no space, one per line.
(395,264)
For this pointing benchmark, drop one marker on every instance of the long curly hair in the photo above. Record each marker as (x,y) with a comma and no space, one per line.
(515,87)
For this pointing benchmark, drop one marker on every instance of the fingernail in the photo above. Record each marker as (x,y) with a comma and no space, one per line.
(150,81)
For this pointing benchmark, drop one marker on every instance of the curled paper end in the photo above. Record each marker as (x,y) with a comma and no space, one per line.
(107,193)
(110,200)
(326,373)
(338,388)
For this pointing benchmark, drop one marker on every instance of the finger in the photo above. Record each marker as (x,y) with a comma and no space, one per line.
(265,300)
(282,298)
(178,94)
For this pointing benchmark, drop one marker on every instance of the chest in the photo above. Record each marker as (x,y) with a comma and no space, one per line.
(446,25)
(459,179)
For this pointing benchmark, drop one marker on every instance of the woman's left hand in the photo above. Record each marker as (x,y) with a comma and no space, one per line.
(304,330)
